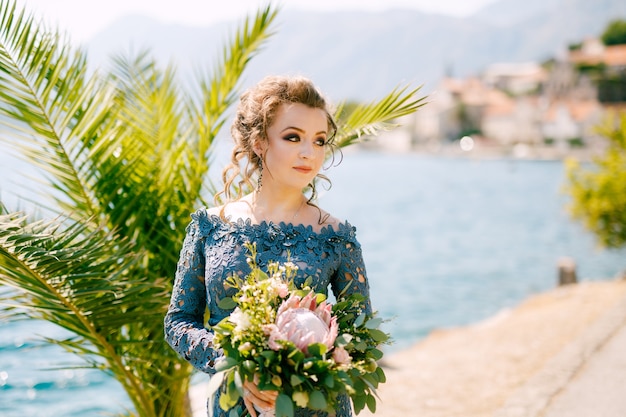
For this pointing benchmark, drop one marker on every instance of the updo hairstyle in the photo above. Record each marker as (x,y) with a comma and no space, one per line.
(255,113)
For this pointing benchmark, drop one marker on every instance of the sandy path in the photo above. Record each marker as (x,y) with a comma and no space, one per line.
(471,371)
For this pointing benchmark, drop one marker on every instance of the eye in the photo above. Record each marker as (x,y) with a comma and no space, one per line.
(292,137)
(320,141)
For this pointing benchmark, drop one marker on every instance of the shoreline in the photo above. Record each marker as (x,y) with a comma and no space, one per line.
(493,367)
(518,359)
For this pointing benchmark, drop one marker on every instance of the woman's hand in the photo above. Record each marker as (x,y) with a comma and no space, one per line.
(253,396)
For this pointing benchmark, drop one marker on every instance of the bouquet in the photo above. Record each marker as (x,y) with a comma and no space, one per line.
(294,342)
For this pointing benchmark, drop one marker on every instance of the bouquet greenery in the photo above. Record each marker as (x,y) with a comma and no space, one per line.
(296,343)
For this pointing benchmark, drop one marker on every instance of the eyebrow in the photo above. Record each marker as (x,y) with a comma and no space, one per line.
(302,131)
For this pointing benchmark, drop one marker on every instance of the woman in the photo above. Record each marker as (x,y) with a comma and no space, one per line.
(282,132)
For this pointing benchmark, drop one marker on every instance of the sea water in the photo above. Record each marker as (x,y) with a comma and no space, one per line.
(447,242)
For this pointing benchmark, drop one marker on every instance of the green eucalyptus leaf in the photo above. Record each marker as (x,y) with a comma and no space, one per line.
(360,320)
(329,381)
(296,354)
(376,354)
(378,335)
(225,363)
(317,349)
(296,380)
(284,406)
(250,366)
(382,378)
(227,303)
(360,346)
(317,401)
(373,323)
(371,403)
(269,355)
(358,402)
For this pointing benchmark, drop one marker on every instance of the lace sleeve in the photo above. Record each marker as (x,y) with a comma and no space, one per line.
(184,322)
(351,277)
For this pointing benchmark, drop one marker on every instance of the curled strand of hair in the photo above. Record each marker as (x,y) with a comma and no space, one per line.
(334,150)
(229,175)
(313,197)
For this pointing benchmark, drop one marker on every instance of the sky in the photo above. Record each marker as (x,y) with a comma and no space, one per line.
(82,19)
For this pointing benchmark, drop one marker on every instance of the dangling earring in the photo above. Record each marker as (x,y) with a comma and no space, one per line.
(259,183)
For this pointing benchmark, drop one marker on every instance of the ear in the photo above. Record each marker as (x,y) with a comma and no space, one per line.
(259,149)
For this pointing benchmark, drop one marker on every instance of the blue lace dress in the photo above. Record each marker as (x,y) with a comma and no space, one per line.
(213,249)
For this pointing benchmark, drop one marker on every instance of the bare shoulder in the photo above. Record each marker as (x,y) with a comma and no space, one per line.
(232,210)
(214,211)
(328,219)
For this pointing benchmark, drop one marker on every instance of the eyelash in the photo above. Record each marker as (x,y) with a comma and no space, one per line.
(318,141)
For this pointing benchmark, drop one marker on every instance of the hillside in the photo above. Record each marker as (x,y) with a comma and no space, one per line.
(362,55)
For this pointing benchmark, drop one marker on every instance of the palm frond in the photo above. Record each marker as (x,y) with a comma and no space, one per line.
(167,140)
(49,107)
(220,90)
(369,119)
(86,282)
(138,187)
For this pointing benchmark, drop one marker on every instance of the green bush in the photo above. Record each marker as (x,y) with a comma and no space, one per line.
(598,191)
(615,33)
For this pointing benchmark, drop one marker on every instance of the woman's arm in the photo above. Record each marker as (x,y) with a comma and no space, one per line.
(184,322)
(351,276)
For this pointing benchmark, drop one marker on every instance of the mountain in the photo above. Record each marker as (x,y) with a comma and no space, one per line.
(362,55)
(508,13)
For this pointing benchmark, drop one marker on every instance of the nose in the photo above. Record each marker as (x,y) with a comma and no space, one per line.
(307,149)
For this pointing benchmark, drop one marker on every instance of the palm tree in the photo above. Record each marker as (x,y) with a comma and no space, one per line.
(126,155)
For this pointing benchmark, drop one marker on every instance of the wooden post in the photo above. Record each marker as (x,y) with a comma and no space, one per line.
(567,271)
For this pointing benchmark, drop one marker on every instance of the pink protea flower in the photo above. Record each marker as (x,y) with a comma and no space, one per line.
(301,321)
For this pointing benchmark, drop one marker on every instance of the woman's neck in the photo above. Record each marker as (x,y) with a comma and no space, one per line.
(277,207)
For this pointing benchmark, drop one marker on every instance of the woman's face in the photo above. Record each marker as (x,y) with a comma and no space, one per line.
(295,150)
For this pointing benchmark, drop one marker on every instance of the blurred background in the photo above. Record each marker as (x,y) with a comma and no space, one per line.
(460,210)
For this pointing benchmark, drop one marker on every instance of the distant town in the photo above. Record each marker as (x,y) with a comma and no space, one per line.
(522,110)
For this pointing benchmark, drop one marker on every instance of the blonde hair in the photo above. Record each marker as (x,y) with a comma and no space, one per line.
(255,113)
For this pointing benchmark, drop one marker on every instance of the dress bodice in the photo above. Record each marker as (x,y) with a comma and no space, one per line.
(214,249)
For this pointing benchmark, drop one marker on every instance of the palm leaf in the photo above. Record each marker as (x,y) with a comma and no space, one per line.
(219,91)
(92,285)
(370,118)
(50,106)
(83,281)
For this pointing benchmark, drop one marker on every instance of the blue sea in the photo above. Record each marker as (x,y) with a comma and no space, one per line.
(447,242)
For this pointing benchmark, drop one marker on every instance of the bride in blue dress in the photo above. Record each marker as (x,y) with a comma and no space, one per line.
(283,133)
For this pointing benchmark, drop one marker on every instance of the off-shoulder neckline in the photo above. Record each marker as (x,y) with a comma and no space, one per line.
(343,228)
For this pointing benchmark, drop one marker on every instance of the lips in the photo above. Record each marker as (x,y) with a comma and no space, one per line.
(303,169)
